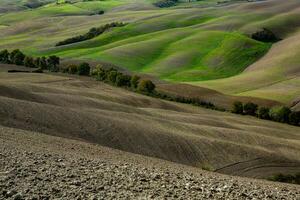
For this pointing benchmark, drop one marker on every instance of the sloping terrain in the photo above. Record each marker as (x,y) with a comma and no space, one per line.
(34,165)
(203,43)
(91,111)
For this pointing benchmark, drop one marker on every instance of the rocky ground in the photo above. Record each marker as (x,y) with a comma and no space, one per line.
(37,166)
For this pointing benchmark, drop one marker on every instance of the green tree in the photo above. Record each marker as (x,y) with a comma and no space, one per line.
(17,57)
(29,62)
(146,86)
(134,81)
(112,76)
(123,80)
(53,62)
(280,114)
(84,69)
(294,118)
(250,108)
(37,62)
(4,56)
(43,63)
(238,107)
(263,113)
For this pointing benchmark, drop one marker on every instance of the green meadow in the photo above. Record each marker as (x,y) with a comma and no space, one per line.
(202,43)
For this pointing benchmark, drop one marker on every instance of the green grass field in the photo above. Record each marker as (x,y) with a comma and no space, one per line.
(201,43)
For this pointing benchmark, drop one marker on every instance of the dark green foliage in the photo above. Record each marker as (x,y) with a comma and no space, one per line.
(112,76)
(72,69)
(265,35)
(294,179)
(123,80)
(280,114)
(165,3)
(134,81)
(4,56)
(43,63)
(17,57)
(250,108)
(146,86)
(84,69)
(53,62)
(294,118)
(263,113)
(93,32)
(29,62)
(238,107)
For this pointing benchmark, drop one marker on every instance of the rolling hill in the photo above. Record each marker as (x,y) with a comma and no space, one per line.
(201,43)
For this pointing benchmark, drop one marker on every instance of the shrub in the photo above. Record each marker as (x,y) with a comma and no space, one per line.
(294,118)
(4,56)
(99,73)
(29,62)
(134,81)
(286,178)
(250,108)
(265,35)
(53,62)
(43,63)
(17,57)
(112,76)
(84,69)
(123,80)
(72,69)
(238,107)
(146,86)
(263,113)
(280,114)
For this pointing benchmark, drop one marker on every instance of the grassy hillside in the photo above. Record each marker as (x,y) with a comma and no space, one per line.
(202,43)
(83,109)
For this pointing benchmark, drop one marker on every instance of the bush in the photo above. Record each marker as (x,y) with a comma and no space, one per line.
(123,80)
(146,86)
(250,108)
(53,62)
(263,113)
(4,56)
(17,57)
(265,35)
(72,69)
(238,107)
(29,62)
(134,81)
(84,69)
(280,114)
(112,76)
(99,73)
(43,63)
(294,118)
(286,178)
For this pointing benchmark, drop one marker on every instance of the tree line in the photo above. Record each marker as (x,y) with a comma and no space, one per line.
(134,83)
(281,114)
(93,32)
(17,57)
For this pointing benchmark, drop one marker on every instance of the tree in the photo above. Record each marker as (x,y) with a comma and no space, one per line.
(263,113)
(250,108)
(238,107)
(112,76)
(17,57)
(4,56)
(294,118)
(53,62)
(37,62)
(72,69)
(43,63)
(84,69)
(29,62)
(134,81)
(146,86)
(123,80)
(280,114)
